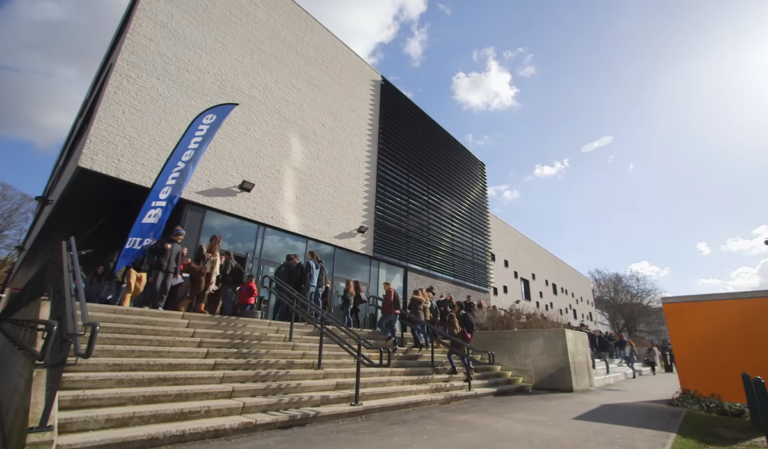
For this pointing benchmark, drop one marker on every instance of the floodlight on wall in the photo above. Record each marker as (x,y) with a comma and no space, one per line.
(246,186)
(362,229)
(44,200)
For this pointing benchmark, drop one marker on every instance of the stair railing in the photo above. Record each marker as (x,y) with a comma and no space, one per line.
(299,306)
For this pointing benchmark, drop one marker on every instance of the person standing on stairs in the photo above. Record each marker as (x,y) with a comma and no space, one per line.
(416,308)
(246,295)
(454,330)
(232,277)
(166,265)
(631,357)
(621,349)
(602,349)
(347,300)
(311,275)
(359,300)
(390,312)
(135,279)
(202,273)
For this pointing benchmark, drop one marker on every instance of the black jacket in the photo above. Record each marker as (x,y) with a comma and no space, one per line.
(166,260)
(602,343)
(226,270)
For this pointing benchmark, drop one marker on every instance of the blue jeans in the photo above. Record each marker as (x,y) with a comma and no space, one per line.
(464,359)
(245,307)
(347,311)
(420,329)
(228,300)
(387,325)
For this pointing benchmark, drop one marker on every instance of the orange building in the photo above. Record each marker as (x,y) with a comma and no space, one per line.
(717,337)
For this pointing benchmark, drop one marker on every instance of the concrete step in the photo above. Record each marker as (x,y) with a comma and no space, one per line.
(123,379)
(114,397)
(155,435)
(137,415)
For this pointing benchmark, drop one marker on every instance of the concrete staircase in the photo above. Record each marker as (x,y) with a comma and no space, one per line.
(159,378)
(618,372)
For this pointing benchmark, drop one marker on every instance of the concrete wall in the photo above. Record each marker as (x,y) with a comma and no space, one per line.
(552,359)
(528,258)
(305,132)
(712,361)
(443,287)
(16,378)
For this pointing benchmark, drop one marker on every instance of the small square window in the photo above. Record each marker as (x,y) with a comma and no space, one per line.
(562,290)
(505,289)
(533,276)
(546,307)
(572,295)
(495,291)
(575,315)
(493,257)
(561,312)
(554,289)
(541,294)
(525,287)
(506,264)
(546,282)
(537,305)
(551,306)
(515,274)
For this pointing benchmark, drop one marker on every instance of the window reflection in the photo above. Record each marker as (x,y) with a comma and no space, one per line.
(326,253)
(392,274)
(352,266)
(277,244)
(238,236)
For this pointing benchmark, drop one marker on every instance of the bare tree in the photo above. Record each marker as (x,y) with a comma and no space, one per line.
(627,298)
(16,212)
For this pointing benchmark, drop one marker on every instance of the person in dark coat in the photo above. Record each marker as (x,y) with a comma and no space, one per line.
(603,346)
(167,254)
(96,284)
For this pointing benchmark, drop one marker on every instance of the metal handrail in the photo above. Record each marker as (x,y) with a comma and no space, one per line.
(29,327)
(76,297)
(320,319)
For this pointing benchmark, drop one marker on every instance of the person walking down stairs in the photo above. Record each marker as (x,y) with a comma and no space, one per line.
(456,348)
(631,357)
(166,265)
(416,308)
(390,311)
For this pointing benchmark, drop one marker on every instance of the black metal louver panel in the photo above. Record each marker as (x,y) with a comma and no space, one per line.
(431,195)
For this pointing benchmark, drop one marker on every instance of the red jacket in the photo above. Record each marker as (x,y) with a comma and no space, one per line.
(247,293)
(390,304)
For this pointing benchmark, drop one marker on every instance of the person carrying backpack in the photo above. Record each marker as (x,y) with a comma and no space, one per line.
(232,277)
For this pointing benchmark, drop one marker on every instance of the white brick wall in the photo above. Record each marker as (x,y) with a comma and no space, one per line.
(526,257)
(305,132)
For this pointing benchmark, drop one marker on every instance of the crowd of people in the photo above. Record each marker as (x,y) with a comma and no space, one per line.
(607,346)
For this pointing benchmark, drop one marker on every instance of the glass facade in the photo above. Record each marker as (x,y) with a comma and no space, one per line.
(263,249)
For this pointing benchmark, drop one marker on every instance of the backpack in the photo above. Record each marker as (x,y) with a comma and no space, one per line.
(397,303)
(236,274)
(322,277)
(467,323)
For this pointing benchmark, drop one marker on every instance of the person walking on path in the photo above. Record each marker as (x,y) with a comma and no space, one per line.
(166,264)
(621,349)
(631,357)
(391,305)
(603,347)
(651,357)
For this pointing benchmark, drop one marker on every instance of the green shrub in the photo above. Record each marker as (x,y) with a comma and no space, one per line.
(710,405)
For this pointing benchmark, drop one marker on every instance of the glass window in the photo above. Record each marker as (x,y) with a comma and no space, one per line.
(326,253)
(238,236)
(278,244)
(392,274)
(352,266)
(193,223)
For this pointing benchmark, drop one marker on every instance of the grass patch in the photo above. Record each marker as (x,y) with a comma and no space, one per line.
(700,431)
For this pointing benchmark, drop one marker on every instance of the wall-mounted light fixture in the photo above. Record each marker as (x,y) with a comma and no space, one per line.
(246,186)
(44,200)
(362,229)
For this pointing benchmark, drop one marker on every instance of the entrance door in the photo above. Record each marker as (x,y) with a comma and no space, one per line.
(267,269)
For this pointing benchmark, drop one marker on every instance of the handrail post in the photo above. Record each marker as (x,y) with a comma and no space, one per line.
(293,316)
(433,352)
(357,375)
(322,337)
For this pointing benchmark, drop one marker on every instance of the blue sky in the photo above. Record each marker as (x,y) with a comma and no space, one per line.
(676,91)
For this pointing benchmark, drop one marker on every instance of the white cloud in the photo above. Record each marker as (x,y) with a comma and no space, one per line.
(366,26)
(592,146)
(548,171)
(703,248)
(509,54)
(610,159)
(479,140)
(647,269)
(751,246)
(445,8)
(491,90)
(417,44)
(504,191)
(527,70)
(631,166)
(743,278)
(49,53)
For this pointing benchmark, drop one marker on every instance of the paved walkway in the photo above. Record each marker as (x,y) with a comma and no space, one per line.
(630,414)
